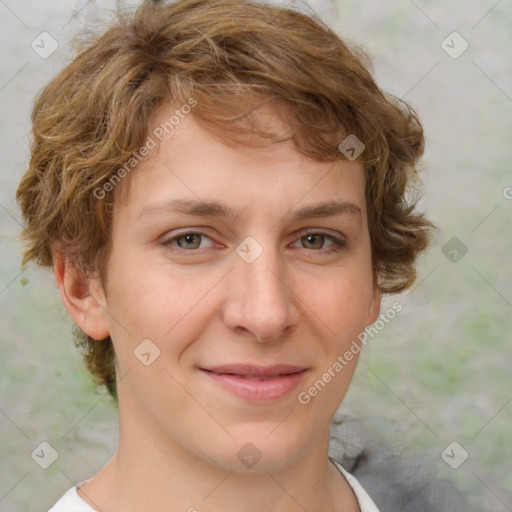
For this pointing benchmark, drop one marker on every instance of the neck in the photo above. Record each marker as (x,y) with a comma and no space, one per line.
(151,471)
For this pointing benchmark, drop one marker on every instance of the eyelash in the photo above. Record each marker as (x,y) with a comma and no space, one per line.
(339,243)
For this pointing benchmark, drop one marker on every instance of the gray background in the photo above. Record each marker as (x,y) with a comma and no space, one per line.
(438,373)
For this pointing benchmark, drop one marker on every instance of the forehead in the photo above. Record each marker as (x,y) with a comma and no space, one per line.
(191,164)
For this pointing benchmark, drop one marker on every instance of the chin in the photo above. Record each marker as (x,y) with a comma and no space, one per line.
(260,448)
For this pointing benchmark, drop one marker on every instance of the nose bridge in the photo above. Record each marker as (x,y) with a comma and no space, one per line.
(261,303)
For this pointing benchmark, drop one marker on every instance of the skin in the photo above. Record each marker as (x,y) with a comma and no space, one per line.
(202,304)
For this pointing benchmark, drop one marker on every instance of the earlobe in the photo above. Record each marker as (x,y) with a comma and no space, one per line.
(374,309)
(82,296)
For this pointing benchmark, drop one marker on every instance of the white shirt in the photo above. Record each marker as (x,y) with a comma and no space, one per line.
(71,502)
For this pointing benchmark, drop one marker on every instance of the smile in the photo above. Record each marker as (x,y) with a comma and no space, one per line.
(257,384)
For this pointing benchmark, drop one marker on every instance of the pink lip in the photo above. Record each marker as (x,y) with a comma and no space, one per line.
(274,382)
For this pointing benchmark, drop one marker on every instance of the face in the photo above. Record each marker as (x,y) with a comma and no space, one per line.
(232,287)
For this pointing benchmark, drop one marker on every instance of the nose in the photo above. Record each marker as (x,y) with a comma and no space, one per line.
(261,303)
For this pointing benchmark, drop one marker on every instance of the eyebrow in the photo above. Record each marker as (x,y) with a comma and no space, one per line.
(215,209)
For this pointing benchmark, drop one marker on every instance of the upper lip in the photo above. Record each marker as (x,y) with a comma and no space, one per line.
(256,371)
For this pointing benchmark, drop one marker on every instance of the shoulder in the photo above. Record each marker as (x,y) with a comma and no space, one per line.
(393,481)
(366,504)
(71,502)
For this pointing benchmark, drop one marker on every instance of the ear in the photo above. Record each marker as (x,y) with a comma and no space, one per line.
(82,296)
(374,308)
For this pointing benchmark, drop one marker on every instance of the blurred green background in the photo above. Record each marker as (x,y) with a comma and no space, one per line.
(437,373)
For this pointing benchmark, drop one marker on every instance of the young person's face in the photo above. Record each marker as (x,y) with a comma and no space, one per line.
(252,289)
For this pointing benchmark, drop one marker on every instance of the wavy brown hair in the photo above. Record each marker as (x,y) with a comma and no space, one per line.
(232,57)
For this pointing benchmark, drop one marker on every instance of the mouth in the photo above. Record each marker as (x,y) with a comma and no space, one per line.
(257,383)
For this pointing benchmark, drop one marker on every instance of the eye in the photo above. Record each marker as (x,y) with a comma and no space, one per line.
(188,241)
(315,240)
(194,240)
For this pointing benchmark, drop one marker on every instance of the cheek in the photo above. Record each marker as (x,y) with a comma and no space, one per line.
(341,302)
(155,302)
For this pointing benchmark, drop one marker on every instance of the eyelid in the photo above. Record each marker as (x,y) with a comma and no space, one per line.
(172,236)
(337,238)
(322,231)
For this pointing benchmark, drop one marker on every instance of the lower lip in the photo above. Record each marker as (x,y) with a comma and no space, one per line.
(258,390)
